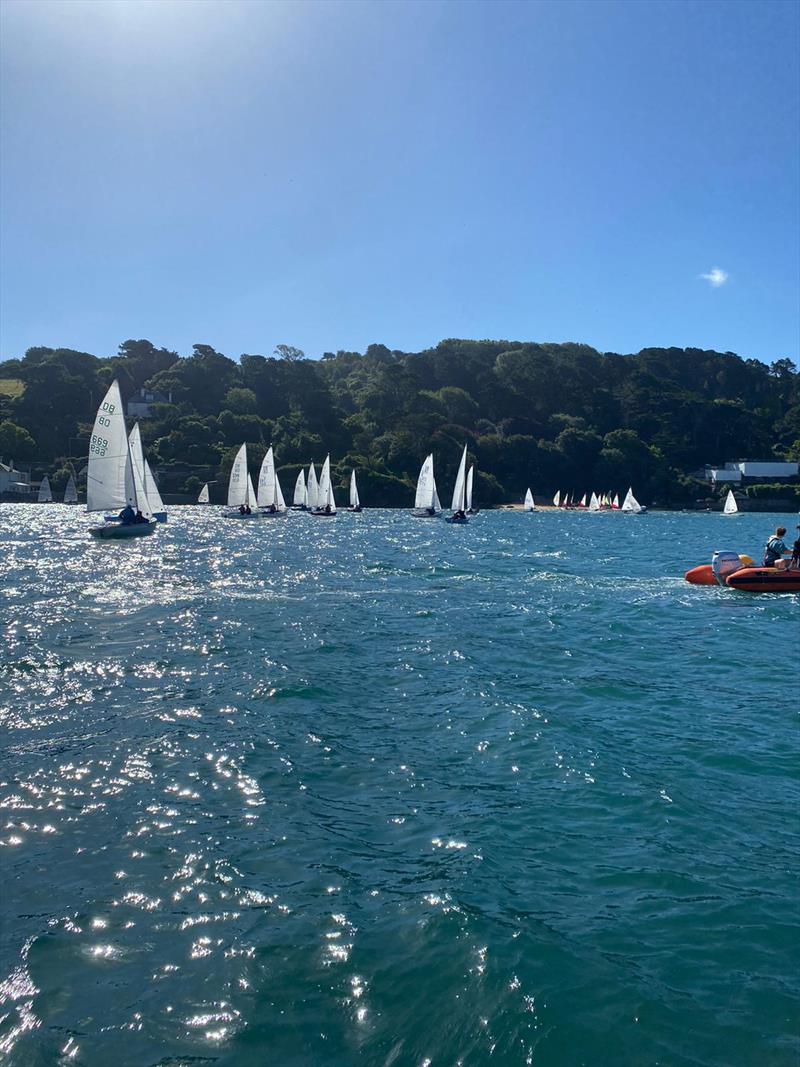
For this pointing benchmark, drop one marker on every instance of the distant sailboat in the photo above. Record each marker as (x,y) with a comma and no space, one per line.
(71,492)
(241,494)
(458,505)
(113,480)
(731,507)
(631,505)
(312,489)
(45,493)
(471,509)
(300,499)
(557,499)
(615,502)
(270,498)
(203,497)
(594,502)
(355,503)
(583,501)
(326,505)
(145,476)
(529,504)
(426,501)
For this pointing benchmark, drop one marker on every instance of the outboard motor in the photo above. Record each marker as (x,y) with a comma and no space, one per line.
(724,564)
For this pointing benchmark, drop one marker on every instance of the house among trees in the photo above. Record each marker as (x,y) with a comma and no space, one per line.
(12,480)
(139,405)
(747,470)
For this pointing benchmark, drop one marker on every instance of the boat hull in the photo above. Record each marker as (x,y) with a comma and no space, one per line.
(118,531)
(765,580)
(234,513)
(324,514)
(422,513)
(160,516)
(456,522)
(264,514)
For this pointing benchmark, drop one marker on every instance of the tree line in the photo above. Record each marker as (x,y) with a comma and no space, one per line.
(552,416)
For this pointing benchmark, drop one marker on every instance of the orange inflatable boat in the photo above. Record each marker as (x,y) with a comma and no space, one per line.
(764,580)
(704,575)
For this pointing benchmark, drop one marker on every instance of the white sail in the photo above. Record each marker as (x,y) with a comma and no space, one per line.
(45,494)
(437,504)
(300,497)
(615,501)
(137,462)
(109,479)
(557,499)
(458,502)
(630,503)
(731,507)
(325,492)
(583,501)
(250,499)
(150,487)
(529,502)
(279,501)
(266,481)
(470,477)
(426,485)
(594,503)
(312,488)
(71,492)
(354,501)
(238,481)
(203,497)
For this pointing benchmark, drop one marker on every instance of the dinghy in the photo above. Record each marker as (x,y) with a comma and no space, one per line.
(203,497)
(270,498)
(300,500)
(45,493)
(529,504)
(458,505)
(145,475)
(630,505)
(326,505)
(594,502)
(731,507)
(112,480)
(426,501)
(355,503)
(557,499)
(312,489)
(71,492)
(471,510)
(241,494)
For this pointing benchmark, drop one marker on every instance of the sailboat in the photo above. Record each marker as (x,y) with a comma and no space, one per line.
(426,501)
(582,503)
(300,499)
(45,493)
(312,489)
(355,503)
(145,475)
(594,502)
(112,478)
(630,505)
(731,507)
(529,504)
(203,497)
(557,499)
(471,510)
(241,494)
(71,492)
(270,498)
(326,505)
(615,502)
(458,505)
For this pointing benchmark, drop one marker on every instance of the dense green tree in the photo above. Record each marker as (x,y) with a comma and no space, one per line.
(15,442)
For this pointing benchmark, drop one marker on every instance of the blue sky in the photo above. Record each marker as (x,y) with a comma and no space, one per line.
(329,175)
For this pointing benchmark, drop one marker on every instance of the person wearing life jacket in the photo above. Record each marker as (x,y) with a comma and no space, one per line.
(794,562)
(127,516)
(775,548)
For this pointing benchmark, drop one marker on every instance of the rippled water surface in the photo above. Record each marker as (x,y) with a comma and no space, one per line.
(384,791)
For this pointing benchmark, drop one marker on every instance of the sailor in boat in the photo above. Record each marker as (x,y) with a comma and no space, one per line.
(775,548)
(139,517)
(245,509)
(458,516)
(128,516)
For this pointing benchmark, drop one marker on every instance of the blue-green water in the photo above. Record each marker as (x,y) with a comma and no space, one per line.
(384,791)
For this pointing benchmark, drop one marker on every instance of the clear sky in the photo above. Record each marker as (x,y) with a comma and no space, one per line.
(331,174)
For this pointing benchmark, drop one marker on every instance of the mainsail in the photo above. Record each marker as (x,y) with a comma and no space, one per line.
(71,492)
(45,494)
(470,476)
(109,479)
(731,507)
(630,503)
(557,499)
(312,488)
(460,488)
(300,496)
(150,487)
(529,503)
(240,487)
(203,497)
(137,462)
(325,492)
(594,502)
(354,501)
(426,486)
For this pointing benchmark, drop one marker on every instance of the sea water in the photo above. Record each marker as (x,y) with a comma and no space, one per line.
(381,790)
